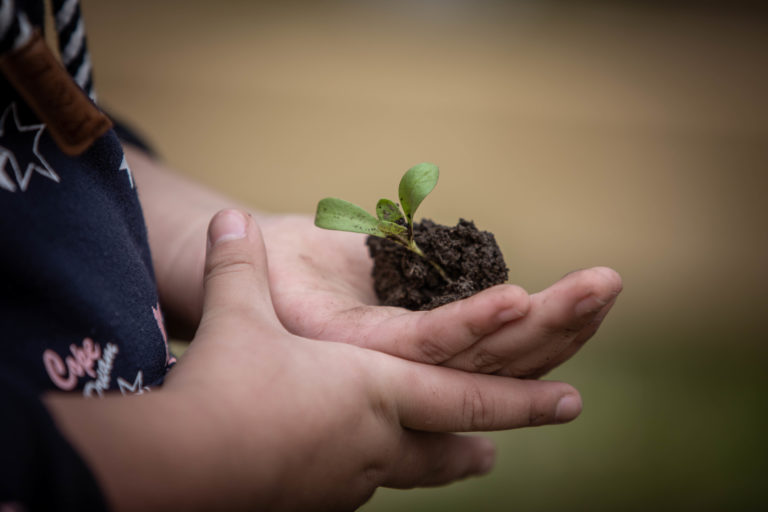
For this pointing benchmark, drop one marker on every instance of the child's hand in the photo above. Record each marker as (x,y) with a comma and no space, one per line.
(321,287)
(253,417)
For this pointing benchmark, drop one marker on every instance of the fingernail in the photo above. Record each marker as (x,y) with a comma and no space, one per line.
(567,408)
(589,304)
(226,225)
(601,316)
(488,460)
(507,315)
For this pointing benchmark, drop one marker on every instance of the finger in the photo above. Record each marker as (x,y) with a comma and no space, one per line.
(438,335)
(436,399)
(574,331)
(235,279)
(556,317)
(428,459)
(434,336)
(578,342)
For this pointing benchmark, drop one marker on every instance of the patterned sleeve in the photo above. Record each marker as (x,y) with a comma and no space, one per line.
(39,470)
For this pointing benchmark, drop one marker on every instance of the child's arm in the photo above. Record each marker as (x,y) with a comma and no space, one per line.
(255,418)
(321,288)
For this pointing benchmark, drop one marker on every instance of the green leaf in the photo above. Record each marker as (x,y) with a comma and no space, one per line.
(388,210)
(416,183)
(392,229)
(342,215)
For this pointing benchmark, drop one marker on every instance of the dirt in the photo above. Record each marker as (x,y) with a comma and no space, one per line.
(470,258)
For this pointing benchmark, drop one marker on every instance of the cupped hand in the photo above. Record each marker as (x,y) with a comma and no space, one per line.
(322,289)
(255,418)
(332,421)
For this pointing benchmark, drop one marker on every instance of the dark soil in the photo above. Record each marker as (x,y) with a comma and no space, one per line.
(471,258)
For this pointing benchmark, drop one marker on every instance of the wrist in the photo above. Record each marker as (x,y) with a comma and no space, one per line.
(179,277)
(158,451)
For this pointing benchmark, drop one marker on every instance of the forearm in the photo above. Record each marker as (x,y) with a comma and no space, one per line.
(161,452)
(177,211)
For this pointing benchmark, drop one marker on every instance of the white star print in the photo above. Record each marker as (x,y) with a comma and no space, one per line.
(6,182)
(124,167)
(7,156)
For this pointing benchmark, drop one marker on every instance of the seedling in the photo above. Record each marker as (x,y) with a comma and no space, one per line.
(390,222)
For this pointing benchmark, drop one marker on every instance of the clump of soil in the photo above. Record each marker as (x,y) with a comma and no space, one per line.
(471,258)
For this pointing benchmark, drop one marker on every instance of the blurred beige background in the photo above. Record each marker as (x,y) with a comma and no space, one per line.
(580,133)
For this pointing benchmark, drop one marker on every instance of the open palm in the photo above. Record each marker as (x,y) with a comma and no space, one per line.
(321,288)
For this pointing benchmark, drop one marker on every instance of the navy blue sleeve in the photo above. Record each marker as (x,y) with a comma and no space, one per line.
(79,306)
(39,469)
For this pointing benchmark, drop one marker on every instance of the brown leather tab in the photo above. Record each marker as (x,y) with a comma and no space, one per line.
(71,117)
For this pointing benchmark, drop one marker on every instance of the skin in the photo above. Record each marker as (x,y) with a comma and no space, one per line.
(321,288)
(254,417)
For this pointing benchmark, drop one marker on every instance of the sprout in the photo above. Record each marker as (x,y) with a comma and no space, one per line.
(390,222)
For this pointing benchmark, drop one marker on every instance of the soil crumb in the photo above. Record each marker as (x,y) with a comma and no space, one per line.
(471,258)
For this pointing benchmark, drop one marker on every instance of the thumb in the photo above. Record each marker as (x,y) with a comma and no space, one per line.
(235,280)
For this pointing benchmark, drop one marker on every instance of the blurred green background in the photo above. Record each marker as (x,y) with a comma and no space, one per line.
(628,134)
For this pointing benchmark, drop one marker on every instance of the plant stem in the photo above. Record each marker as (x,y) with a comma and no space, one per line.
(410,244)
(415,248)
